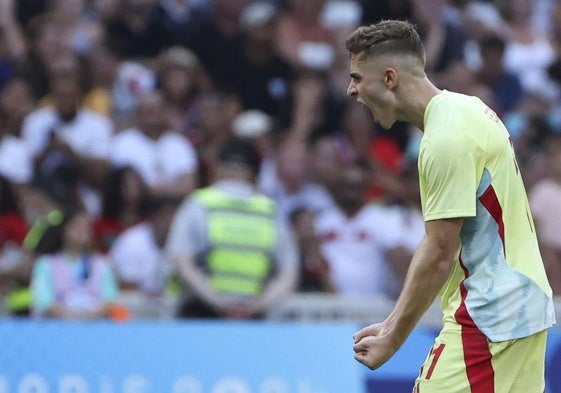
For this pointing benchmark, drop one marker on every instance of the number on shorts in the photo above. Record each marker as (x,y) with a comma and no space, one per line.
(435,353)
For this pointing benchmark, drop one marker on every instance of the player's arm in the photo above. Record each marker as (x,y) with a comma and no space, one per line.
(429,270)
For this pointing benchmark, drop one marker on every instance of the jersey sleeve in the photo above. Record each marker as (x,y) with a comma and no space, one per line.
(448,177)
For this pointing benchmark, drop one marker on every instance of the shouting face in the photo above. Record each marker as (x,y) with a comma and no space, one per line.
(372,85)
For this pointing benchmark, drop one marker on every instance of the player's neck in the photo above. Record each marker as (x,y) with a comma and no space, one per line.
(416,100)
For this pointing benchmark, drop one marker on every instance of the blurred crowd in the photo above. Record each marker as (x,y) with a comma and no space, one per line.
(115,114)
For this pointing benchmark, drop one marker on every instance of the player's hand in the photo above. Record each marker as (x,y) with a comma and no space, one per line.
(374,351)
(374,345)
(375,329)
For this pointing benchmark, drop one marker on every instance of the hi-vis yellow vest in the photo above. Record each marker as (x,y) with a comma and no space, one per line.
(242,235)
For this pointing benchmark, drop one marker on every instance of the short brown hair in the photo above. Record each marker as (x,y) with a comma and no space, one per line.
(386,37)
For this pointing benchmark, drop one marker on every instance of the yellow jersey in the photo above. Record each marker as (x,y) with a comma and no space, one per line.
(467,168)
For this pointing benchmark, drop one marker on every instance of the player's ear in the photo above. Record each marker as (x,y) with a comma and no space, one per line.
(390,78)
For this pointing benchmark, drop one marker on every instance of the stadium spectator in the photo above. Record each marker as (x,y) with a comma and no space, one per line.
(47,43)
(531,130)
(327,154)
(302,39)
(505,86)
(181,81)
(69,281)
(123,197)
(181,17)
(82,30)
(16,102)
(314,270)
(265,78)
(219,37)
(117,51)
(232,249)
(133,29)
(137,254)
(555,16)
(545,201)
(459,77)
(315,108)
(444,41)
(12,44)
(70,64)
(307,45)
(216,113)
(255,127)
(68,136)
(132,79)
(406,208)
(15,264)
(285,178)
(377,151)
(102,70)
(165,160)
(16,162)
(529,49)
(357,239)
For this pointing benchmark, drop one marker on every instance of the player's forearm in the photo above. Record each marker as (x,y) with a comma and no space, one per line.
(429,270)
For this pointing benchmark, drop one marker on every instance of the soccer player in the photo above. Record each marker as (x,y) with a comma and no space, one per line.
(479,252)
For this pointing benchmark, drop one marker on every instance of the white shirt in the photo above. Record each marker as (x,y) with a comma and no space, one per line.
(89,134)
(529,61)
(138,259)
(15,160)
(159,162)
(355,247)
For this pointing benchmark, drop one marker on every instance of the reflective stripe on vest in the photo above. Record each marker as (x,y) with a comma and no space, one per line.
(241,233)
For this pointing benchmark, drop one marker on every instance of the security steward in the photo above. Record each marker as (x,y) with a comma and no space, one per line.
(234,253)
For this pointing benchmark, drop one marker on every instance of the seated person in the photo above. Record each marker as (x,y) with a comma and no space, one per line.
(70,281)
(140,263)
